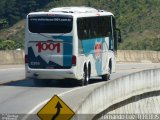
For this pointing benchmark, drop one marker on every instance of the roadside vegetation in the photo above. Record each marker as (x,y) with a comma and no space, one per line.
(139,20)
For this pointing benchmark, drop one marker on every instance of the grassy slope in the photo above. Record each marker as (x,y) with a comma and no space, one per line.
(15,34)
(140,25)
(137,19)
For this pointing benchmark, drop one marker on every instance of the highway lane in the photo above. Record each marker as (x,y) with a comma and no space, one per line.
(11,74)
(24,97)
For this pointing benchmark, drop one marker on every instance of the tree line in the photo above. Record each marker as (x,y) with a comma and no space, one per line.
(12,11)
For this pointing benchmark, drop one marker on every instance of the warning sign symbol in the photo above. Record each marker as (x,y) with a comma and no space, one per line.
(55,109)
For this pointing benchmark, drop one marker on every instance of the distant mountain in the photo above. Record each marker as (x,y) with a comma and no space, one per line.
(139,20)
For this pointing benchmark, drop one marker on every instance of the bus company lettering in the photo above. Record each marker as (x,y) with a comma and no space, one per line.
(48,46)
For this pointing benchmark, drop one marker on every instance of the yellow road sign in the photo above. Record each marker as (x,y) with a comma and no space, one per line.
(55,109)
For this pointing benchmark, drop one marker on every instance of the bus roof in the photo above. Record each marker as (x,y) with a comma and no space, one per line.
(82,11)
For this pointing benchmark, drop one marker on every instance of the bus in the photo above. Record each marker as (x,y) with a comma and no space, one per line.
(70,43)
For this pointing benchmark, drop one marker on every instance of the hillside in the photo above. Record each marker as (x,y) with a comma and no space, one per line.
(137,19)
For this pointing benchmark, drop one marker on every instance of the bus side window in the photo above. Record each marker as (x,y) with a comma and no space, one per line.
(114,33)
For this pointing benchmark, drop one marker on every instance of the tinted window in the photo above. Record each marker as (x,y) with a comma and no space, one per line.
(114,33)
(94,27)
(50,24)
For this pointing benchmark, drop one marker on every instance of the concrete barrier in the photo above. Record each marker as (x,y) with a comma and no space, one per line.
(118,90)
(17,57)
(138,56)
(11,57)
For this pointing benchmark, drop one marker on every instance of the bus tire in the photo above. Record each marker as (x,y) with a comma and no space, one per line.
(106,77)
(85,79)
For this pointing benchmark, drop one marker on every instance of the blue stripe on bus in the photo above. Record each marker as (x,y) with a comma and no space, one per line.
(43,64)
(67,51)
(64,38)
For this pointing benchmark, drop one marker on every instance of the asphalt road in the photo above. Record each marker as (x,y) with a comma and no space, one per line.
(20,96)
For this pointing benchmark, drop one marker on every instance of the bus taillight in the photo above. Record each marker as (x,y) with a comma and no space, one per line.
(74,60)
(26,59)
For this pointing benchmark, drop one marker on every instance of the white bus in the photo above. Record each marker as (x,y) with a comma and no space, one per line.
(70,42)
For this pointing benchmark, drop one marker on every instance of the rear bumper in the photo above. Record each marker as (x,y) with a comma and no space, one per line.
(50,73)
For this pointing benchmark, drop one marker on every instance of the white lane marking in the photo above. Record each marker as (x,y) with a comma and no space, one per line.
(44,102)
(7,69)
(61,94)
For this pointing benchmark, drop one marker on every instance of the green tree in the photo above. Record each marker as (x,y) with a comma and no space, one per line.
(7,45)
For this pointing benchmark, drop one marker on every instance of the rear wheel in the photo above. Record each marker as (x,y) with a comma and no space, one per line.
(106,77)
(85,79)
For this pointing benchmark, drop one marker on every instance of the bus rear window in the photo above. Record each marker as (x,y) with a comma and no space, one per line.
(50,24)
